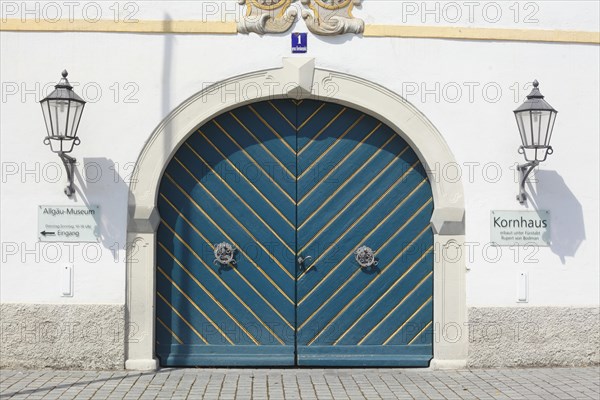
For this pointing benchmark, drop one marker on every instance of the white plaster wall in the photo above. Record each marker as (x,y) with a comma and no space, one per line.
(468,89)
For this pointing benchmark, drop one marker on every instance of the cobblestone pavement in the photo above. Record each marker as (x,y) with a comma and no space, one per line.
(546,384)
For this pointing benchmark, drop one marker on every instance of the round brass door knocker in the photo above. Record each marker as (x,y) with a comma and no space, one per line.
(224,253)
(365,257)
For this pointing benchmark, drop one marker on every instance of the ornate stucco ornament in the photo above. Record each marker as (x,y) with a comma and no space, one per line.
(332,17)
(267,16)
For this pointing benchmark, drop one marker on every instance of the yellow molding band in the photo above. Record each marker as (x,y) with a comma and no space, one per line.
(141,26)
(437,32)
(218,27)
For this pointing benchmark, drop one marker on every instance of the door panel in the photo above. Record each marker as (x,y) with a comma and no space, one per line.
(374,193)
(279,180)
(232,181)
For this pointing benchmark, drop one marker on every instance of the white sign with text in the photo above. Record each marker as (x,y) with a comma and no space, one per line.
(68,223)
(520,228)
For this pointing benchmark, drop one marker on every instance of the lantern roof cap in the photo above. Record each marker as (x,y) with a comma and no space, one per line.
(535,101)
(63,91)
(64,82)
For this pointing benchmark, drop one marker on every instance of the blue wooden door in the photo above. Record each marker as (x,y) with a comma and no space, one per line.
(233,181)
(295,188)
(361,186)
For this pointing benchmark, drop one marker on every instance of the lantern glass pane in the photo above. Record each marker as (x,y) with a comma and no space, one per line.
(550,127)
(47,121)
(522,127)
(543,127)
(535,126)
(73,118)
(59,110)
(526,122)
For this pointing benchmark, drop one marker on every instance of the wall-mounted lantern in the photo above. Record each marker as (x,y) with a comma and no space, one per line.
(535,118)
(62,111)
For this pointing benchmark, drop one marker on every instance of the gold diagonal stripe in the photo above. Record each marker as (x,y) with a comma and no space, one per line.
(283,116)
(390,214)
(193,303)
(363,215)
(378,251)
(170,331)
(208,293)
(238,298)
(273,129)
(260,167)
(342,161)
(365,337)
(406,322)
(356,272)
(380,298)
(263,273)
(378,225)
(354,199)
(321,131)
(262,145)
(349,179)
(420,333)
(232,165)
(311,116)
(335,143)
(182,318)
(242,200)
(234,218)
(220,280)
(428,202)
(364,240)
(363,166)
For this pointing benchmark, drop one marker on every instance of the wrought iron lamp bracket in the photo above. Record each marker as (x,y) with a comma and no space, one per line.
(69,163)
(524,172)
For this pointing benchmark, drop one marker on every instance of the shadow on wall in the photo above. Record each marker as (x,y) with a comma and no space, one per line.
(167,76)
(567,223)
(98,181)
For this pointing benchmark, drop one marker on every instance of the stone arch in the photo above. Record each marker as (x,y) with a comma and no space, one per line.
(298,78)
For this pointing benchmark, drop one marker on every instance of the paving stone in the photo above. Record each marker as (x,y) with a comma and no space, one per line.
(288,384)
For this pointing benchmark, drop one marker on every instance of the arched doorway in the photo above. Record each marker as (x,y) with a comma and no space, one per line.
(298,79)
(292,190)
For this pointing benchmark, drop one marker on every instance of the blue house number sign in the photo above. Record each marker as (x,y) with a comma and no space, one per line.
(299,42)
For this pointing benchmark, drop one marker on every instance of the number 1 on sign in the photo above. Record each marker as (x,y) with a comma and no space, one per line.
(299,42)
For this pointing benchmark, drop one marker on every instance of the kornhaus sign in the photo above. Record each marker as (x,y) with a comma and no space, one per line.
(520,228)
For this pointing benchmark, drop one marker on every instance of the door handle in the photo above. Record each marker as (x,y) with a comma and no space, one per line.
(302,260)
(301,263)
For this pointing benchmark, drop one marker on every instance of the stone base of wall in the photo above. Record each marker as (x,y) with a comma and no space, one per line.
(62,336)
(34,336)
(534,336)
